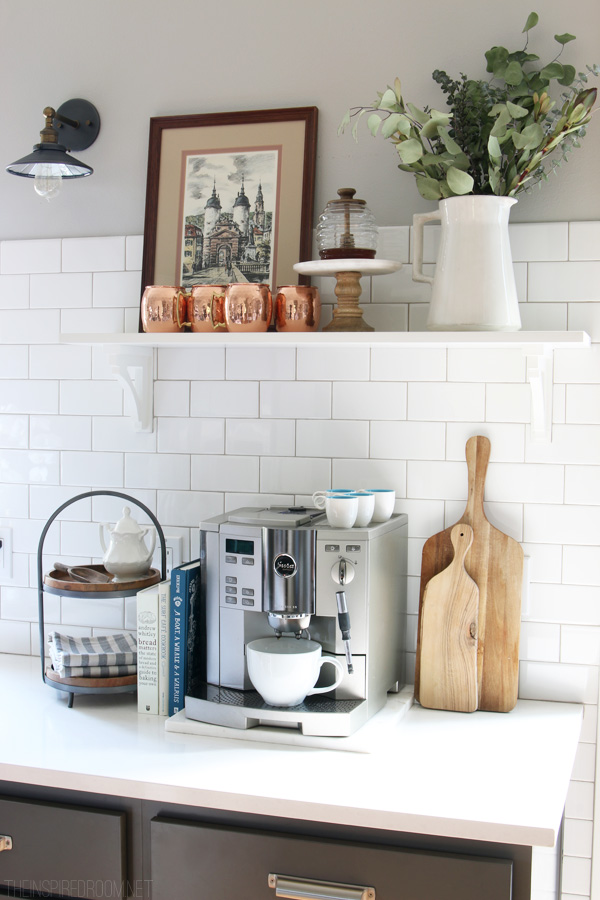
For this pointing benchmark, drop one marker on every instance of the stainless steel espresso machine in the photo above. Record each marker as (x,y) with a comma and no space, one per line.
(286,572)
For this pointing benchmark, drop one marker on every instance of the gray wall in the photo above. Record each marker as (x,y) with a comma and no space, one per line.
(140,58)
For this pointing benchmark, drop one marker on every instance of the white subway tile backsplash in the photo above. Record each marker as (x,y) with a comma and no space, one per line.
(582,484)
(508,403)
(548,524)
(15,637)
(96,321)
(93,254)
(580,801)
(333,364)
(14,432)
(576,875)
(190,365)
(585,317)
(545,562)
(14,501)
(61,361)
(369,400)
(581,565)
(29,466)
(409,364)
(428,480)
(407,440)
(187,508)
(14,291)
(584,240)
(81,539)
(583,404)
(225,473)
(525,483)
(539,641)
(60,433)
(14,362)
(134,246)
(224,399)
(571,444)
(332,438)
(581,366)
(92,398)
(564,683)
(30,256)
(393,242)
(547,242)
(117,433)
(161,471)
(261,437)
(544,316)
(45,499)
(93,469)
(104,612)
(61,290)
(29,397)
(400,288)
(565,603)
(299,399)
(577,837)
(387,316)
(580,644)
(243,363)
(293,475)
(446,402)
(561,281)
(369,473)
(29,326)
(117,289)
(486,365)
(425,517)
(171,398)
(182,435)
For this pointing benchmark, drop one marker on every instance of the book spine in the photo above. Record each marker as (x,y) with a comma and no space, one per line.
(178,640)
(164,594)
(147,638)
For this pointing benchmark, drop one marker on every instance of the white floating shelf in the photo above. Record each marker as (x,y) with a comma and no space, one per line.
(131,356)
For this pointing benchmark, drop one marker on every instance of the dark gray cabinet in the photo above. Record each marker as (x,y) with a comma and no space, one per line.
(231,863)
(56,848)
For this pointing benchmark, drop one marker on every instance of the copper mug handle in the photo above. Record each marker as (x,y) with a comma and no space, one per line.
(212,307)
(185,295)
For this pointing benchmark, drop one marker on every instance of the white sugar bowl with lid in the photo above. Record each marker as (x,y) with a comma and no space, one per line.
(127,556)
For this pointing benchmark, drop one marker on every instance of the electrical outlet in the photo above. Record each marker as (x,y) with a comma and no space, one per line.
(6,562)
(174,546)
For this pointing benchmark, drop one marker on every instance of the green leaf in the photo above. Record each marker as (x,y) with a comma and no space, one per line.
(568,76)
(430,129)
(373,123)
(499,129)
(494,149)
(532,20)
(450,144)
(552,70)
(388,101)
(390,125)
(428,188)
(517,112)
(345,121)
(497,59)
(530,138)
(514,73)
(458,181)
(564,38)
(398,90)
(418,114)
(410,151)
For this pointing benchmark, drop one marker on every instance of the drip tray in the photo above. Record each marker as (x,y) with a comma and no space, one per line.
(317,715)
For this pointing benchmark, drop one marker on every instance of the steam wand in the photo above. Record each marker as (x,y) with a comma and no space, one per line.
(344,623)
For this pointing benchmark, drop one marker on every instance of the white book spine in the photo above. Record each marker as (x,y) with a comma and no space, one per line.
(164,596)
(147,639)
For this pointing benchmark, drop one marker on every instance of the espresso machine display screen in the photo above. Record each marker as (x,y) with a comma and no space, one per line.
(235,545)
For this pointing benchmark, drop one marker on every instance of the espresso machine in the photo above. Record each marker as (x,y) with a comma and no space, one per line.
(285,572)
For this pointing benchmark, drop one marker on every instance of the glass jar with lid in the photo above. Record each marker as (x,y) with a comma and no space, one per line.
(346,228)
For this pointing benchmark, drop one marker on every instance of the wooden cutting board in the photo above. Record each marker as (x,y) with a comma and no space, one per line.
(448,633)
(495,563)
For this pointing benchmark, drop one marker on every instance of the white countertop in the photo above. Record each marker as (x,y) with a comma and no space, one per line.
(482,776)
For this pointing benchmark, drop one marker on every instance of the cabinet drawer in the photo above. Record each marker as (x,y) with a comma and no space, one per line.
(190,860)
(72,851)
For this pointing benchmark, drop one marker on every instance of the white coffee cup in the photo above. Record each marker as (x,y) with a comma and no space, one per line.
(366,508)
(385,500)
(341,509)
(285,670)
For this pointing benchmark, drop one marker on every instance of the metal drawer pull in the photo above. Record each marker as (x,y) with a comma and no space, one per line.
(5,842)
(307,889)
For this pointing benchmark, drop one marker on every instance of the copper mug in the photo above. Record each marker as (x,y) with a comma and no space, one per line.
(205,307)
(248,307)
(297,308)
(163,308)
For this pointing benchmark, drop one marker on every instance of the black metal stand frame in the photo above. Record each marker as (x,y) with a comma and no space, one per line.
(70,689)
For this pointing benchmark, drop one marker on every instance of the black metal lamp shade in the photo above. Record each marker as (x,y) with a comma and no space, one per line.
(49,154)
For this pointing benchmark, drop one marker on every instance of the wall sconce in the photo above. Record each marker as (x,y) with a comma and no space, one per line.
(73,126)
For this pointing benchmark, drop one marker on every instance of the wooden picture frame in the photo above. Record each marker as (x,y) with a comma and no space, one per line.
(229,194)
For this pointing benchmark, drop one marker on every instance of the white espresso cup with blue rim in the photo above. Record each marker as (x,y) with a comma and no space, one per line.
(341,507)
(385,500)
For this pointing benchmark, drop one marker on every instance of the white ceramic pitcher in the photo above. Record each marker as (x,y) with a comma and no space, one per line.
(474,285)
(127,557)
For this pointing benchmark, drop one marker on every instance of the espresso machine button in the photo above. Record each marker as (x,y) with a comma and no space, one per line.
(247,601)
(230,579)
(332,548)
(352,548)
(247,592)
(230,589)
(247,561)
(232,600)
(231,559)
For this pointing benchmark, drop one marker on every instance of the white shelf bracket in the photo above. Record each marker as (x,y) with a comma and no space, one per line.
(133,367)
(540,370)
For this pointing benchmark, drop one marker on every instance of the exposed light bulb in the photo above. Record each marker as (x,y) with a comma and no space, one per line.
(47,181)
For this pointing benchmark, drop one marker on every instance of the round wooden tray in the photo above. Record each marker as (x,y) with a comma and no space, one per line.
(117,681)
(62,581)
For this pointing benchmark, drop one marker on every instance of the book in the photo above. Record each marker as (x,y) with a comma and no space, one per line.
(147,641)
(185,585)
(164,615)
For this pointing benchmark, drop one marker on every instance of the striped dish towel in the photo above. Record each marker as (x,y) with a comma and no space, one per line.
(95,671)
(85,652)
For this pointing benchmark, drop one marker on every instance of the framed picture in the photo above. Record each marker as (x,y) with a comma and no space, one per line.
(229,197)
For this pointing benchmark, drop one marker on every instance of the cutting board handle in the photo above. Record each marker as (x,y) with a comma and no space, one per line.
(477,453)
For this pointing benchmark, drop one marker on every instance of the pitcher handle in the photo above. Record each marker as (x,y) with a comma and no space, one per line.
(152,533)
(102,526)
(419,220)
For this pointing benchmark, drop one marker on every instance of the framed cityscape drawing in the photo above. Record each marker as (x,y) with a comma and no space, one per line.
(229,197)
